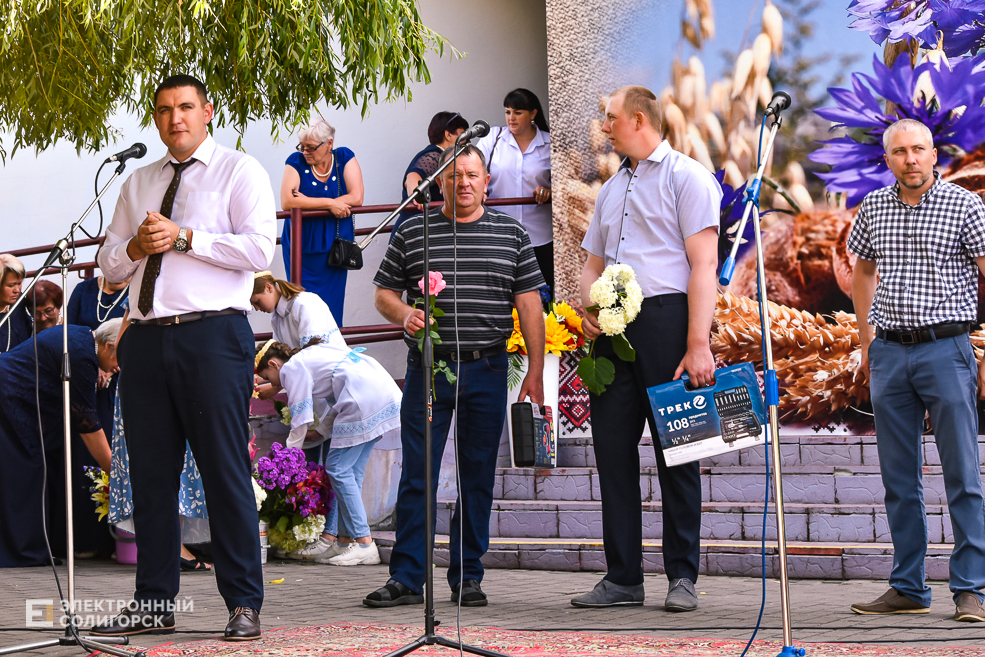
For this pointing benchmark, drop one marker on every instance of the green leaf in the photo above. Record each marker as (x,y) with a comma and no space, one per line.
(622,348)
(450,376)
(514,369)
(438,312)
(282,524)
(596,373)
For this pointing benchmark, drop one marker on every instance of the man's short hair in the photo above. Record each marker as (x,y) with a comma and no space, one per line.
(469,149)
(906,125)
(182,80)
(640,99)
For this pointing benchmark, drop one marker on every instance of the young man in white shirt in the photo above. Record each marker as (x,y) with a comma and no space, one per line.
(190,229)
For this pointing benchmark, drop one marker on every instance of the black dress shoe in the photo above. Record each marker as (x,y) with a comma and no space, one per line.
(129,623)
(243,625)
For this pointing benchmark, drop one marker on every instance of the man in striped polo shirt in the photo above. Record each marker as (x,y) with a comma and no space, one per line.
(489,266)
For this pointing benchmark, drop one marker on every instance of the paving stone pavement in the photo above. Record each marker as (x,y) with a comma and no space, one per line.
(519,599)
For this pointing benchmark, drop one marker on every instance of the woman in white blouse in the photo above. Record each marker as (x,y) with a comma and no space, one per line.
(518,156)
(364,404)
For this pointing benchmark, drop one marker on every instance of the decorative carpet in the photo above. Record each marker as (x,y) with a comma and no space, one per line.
(379,639)
(572,399)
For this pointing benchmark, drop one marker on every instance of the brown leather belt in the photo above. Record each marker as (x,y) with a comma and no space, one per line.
(187,317)
(928,334)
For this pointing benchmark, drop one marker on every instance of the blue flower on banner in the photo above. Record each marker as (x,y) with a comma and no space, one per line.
(955,117)
(960,22)
(730,214)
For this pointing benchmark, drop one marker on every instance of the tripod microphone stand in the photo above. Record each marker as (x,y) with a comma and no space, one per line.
(429,638)
(64,253)
(781,100)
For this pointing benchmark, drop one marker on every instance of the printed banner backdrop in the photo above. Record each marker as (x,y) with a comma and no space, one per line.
(714,67)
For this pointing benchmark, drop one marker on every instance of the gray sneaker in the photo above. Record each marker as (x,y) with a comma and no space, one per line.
(607,594)
(681,596)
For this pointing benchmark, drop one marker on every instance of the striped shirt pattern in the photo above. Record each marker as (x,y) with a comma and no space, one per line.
(496,262)
(924,255)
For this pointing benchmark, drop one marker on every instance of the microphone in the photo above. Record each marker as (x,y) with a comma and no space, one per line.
(138,150)
(479,129)
(780,102)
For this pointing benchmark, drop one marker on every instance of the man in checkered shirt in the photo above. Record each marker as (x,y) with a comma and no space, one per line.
(920,244)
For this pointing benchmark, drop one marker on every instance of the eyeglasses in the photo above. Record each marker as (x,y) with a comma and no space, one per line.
(301,148)
(50,311)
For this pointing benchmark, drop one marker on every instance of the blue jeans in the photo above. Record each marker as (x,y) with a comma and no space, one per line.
(907,380)
(481,413)
(346,467)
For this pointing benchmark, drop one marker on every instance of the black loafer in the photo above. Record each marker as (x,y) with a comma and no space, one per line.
(130,623)
(392,594)
(472,595)
(243,625)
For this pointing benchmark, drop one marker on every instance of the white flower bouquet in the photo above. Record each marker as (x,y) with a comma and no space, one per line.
(617,297)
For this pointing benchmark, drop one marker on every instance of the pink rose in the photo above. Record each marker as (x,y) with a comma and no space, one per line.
(436,282)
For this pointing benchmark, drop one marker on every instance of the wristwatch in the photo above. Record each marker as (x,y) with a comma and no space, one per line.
(181,242)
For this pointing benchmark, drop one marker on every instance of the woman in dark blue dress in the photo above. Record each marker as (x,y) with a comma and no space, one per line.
(321,177)
(22,499)
(21,324)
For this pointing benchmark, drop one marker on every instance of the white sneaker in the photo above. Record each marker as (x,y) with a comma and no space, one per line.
(355,555)
(317,549)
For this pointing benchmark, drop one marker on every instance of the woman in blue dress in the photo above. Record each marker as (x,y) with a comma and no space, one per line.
(321,177)
(21,324)
(27,457)
(191,494)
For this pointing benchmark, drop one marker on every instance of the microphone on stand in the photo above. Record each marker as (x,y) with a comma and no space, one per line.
(780,102)
(479,129)
(138,150)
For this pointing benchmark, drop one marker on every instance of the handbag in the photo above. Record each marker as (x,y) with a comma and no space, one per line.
(343,253)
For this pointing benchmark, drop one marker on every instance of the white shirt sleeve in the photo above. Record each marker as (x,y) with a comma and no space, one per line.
(112,258)
(252,213)
(297,382)
(313,317)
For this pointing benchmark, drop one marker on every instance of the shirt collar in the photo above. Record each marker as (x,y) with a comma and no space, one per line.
(283,306)
(203,153)
(658,154)
(927,194)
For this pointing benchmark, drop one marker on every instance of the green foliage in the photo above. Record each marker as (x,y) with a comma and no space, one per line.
(596,373)
(625,351)
(514,371)
(67,66)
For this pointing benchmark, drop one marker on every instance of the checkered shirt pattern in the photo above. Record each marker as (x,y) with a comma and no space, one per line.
(924,255)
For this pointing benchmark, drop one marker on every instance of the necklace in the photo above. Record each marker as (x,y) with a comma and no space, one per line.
(323,175)
(109,308)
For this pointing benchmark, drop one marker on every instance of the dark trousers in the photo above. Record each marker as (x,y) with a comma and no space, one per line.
(481,413)
(659,335)
(191,382)
(545,260)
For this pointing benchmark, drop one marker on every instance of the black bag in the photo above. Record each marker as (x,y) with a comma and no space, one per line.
(345,253)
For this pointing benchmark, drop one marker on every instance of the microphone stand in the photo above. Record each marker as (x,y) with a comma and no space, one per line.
(772,386)
(429,638)
(64,252)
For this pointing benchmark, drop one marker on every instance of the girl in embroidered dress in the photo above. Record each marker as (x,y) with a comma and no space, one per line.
(364,405)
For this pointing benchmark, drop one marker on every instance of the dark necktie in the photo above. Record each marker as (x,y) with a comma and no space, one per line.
(145,302)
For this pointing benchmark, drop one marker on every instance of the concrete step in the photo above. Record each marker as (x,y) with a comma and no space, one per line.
(719,521)
(835,560)
(815,484)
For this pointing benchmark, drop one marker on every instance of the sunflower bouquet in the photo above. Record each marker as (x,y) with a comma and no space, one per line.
(562,327)
(99,490)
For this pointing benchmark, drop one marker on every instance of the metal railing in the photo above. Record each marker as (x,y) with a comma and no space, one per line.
(354,334)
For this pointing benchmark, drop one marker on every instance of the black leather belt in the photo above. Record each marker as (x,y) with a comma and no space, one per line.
(929,334)
(187,317)
(469,356)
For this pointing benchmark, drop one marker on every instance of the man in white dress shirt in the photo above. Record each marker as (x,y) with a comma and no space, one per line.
(190,229)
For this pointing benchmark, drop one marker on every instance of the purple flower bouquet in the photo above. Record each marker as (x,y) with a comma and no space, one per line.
(298,497)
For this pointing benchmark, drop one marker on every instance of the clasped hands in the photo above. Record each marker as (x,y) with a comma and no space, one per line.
(155,235)
(339,208)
